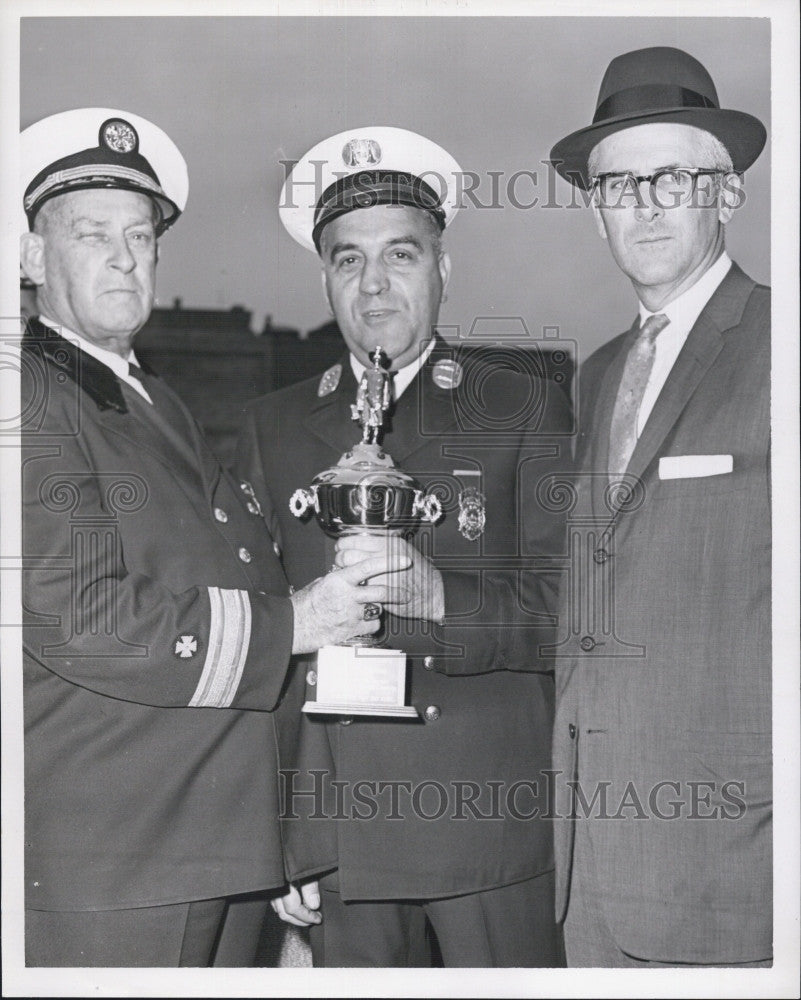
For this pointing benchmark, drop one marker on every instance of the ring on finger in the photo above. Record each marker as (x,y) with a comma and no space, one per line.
(371,611)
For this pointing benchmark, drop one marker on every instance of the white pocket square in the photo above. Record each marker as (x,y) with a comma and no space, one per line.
(694,466)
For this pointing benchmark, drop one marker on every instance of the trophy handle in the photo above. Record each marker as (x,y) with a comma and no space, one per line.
(301,501)
(428,506)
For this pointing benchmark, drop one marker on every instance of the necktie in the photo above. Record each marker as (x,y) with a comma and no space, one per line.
(136,372)
(639,362)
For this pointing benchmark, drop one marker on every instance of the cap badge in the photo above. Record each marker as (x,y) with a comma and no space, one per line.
(447,374)
(472,513)
(361,153)
(118,136)
(185,646)
(330,380)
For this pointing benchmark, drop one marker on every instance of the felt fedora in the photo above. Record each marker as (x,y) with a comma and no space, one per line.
(659,84)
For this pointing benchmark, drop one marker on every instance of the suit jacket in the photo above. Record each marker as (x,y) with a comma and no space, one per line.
(490,687)
(664,700)
(149,587)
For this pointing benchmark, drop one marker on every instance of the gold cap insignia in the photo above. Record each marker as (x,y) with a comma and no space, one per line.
(361,153)
(118,136)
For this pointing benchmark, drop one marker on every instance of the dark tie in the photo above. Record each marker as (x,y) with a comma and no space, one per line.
(136,372)
(639,362)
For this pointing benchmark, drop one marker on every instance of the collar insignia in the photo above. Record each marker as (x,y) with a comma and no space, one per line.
(447,374)
(330,380)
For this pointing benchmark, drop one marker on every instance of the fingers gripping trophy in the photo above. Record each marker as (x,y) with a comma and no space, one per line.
(365,493)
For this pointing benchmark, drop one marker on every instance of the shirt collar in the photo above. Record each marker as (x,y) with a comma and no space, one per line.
(404,376)
(115,362)
(685,310)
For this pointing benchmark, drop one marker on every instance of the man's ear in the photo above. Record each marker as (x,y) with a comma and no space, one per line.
(444,270)
(730,196)
(32,257)
(600,225)
(326,295)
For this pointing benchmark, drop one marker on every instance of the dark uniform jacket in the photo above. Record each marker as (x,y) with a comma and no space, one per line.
(664,706)
(157,635)
(484,694)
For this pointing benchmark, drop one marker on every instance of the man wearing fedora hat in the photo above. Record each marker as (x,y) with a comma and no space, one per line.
(662,738)
(159,623)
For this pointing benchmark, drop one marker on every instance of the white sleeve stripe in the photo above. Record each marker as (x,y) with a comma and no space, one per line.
(240,601)
(213,651)
(229,640)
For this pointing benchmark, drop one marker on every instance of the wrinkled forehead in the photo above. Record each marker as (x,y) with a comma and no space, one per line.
(644,148)
(103,206)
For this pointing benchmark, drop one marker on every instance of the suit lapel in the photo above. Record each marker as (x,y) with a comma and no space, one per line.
(702,347)
(330,419)
(704,343)
(696,357)
(423,410)
(118,408)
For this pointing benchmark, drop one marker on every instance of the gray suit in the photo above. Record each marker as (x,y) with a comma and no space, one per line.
(664,698)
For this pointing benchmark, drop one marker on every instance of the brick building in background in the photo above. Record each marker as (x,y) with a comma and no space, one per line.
(216,364)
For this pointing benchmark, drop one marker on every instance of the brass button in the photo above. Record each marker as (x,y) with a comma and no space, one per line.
(572,731)
(600,556)
(587,643)
(291,589)
(311,677)
(220,515)
(346,722)
(428,662)
(432,713)
(244,555)
(276,548)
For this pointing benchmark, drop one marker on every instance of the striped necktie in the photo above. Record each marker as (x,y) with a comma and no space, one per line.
(637,370)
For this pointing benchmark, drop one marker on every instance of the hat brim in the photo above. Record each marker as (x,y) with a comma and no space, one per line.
(742,134)
(168,210)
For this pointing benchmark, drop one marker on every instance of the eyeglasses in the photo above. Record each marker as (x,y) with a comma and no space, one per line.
(667,188)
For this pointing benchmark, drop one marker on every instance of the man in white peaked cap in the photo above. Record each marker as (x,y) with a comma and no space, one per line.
(373,203)
(159,623)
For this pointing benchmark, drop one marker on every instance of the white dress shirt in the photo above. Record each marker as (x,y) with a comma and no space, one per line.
(682,313)
(115,362)
(403,377)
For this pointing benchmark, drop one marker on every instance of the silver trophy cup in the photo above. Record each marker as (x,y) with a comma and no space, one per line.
(364,493)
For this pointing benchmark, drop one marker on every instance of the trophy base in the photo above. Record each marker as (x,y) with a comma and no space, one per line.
(359,680)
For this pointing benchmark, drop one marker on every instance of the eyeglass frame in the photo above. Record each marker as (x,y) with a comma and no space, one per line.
(694,172)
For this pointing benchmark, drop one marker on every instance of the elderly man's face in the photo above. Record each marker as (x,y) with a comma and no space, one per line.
(384,278)
(97,264)
(663,250)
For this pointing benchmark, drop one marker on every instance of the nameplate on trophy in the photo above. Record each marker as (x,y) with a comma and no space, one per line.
(360,680)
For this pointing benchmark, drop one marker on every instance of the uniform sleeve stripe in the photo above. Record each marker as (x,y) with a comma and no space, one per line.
(229,640)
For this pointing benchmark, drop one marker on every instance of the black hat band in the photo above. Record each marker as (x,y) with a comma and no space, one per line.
(650,96)
(369,188)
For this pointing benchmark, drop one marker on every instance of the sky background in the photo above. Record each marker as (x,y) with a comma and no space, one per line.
(240,94)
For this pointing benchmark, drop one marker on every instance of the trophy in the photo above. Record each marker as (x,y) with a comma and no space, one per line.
(364,493)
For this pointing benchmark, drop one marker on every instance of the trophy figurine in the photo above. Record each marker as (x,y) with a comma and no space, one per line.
(364,493)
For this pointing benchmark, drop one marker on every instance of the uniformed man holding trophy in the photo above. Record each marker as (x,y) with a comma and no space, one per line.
(417,794)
